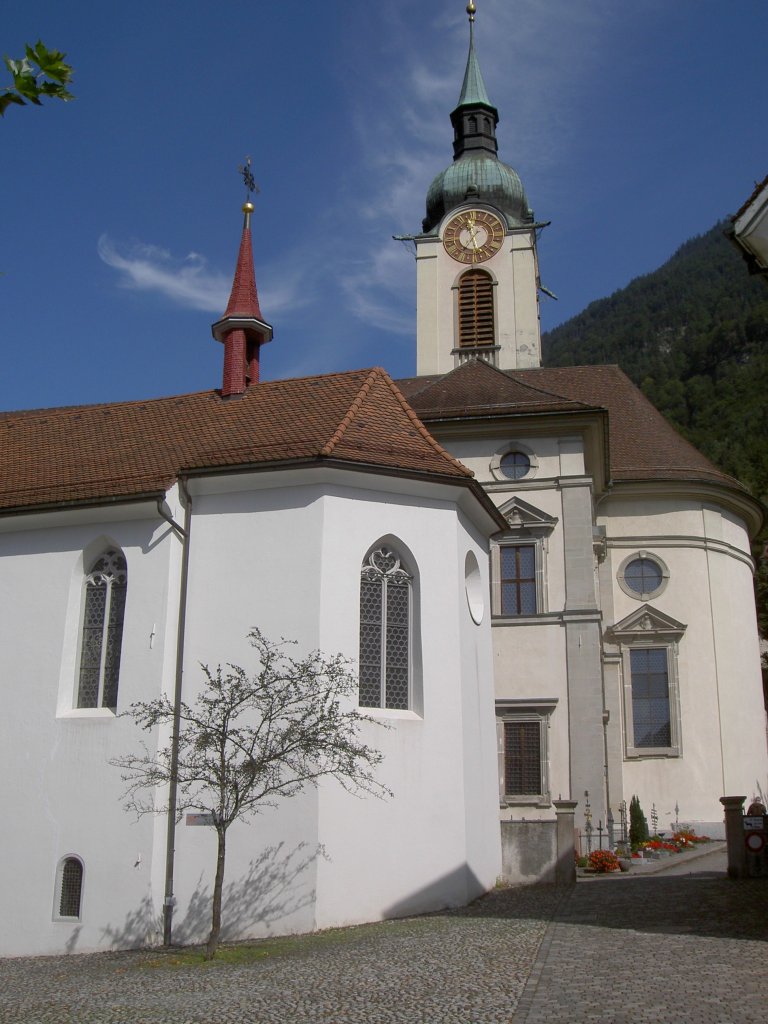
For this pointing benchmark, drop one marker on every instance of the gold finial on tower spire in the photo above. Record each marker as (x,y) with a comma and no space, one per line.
(471,10)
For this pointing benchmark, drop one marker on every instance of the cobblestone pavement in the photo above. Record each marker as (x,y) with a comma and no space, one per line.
(464,966)
(684,944)
(668,946)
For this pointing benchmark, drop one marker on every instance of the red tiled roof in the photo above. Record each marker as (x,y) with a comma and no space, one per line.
(89,453)
(643,444)
(476,386)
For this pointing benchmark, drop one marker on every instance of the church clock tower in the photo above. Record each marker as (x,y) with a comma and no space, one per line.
(477,273)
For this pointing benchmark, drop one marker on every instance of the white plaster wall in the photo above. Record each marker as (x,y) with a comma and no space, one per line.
(64,797)
(435,842)
(530,663)
(476,454)
(288,560)
(721,707)
(255,560)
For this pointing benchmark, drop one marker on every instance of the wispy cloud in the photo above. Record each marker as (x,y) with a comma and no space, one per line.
(188,282)
(192,283)
(538,60)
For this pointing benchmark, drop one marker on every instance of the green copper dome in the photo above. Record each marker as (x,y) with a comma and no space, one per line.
(476,174)
(478,178)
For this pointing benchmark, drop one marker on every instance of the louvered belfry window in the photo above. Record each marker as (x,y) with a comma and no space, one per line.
(476,319)
(385,628)
(102,632)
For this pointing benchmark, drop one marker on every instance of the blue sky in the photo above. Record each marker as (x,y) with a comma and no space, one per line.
(633,125)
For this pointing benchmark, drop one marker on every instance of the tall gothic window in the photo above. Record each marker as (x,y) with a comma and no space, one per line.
(102,635)
(385,631)
(476,316)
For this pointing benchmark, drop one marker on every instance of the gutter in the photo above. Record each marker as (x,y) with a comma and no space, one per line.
(170,843)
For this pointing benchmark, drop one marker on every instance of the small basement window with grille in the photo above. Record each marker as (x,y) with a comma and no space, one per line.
(477,326)
(69,889)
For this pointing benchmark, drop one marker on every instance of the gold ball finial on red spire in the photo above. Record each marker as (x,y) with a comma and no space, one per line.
(471,10)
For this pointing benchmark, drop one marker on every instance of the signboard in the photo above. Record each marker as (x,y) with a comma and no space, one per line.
(200,819)
(754,823)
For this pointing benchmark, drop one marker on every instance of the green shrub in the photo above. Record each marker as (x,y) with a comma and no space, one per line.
(638,826)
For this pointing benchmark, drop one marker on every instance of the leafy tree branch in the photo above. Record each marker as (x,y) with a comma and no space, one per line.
(40,72)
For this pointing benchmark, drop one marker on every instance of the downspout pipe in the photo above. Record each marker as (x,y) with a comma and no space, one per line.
(183,534)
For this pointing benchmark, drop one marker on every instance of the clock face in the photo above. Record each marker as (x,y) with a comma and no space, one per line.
(473,236)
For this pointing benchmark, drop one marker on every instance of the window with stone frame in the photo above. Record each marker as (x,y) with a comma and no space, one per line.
(651,714)
(386,589)
(517,578)
(649,643)
(523,728)
(518,557)
(101,638)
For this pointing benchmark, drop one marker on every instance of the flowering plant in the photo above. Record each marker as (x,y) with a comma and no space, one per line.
(603,861)
(660,844)
(686,837)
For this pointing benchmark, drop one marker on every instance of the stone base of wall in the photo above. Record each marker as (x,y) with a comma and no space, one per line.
(528,852)
(540,851)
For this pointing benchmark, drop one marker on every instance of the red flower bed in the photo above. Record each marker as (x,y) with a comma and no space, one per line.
(603,861)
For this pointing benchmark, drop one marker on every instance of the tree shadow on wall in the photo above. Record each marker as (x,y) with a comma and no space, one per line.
(270,890)
(141,927)
(273,888)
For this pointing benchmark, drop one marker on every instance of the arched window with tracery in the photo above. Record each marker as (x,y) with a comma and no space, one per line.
(476,314)
(385,631)
(102,631)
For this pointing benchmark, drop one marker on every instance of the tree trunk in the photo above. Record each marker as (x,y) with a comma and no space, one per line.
(218,886)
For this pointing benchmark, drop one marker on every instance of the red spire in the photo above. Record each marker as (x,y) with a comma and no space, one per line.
(244,300)
(242,328)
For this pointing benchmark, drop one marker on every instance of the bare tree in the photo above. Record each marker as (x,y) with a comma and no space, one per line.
(249,741)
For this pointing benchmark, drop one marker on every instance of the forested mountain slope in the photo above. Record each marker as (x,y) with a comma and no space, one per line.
(694,336)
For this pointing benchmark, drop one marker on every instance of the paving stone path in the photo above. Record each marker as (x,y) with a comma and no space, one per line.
(452,968)
(668,947)
(683,945)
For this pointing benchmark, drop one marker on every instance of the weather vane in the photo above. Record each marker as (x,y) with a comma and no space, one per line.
(250,184)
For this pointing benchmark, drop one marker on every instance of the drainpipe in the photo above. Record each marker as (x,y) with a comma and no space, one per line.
(170,842)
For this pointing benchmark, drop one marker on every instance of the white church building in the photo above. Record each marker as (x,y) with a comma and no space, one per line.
(548,591)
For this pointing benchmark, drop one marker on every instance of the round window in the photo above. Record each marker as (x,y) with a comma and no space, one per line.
(514,465)
(642,576)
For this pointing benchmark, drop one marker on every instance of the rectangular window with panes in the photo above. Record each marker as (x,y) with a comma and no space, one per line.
(651,717)
(522,729)
(517,579)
